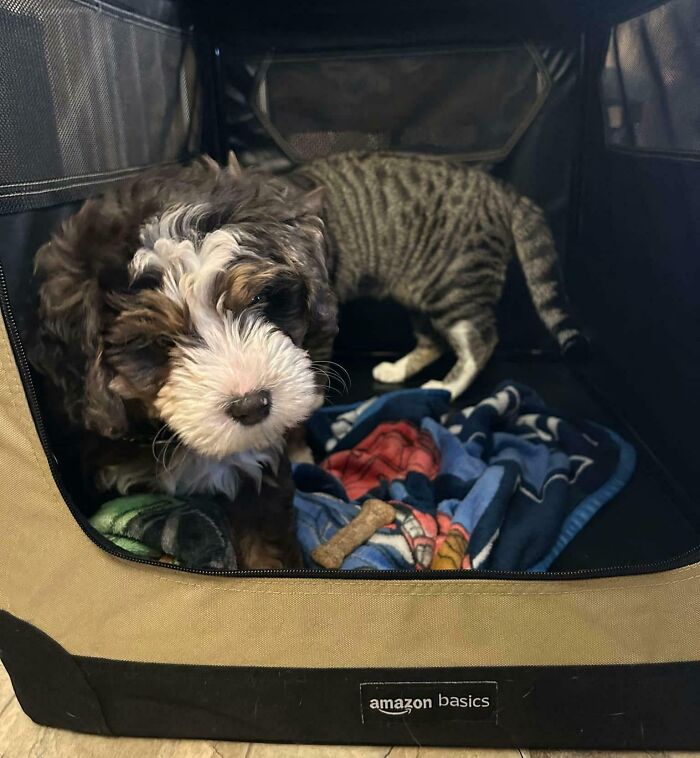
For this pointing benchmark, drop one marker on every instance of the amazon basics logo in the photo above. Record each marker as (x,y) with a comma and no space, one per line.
(428,701)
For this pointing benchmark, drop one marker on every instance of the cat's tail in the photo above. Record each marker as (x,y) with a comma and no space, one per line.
(540,264)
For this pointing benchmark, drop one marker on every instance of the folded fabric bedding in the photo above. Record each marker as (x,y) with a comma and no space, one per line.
(511,480)
(503,485)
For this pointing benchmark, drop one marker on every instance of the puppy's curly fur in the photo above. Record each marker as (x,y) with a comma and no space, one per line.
(168,300)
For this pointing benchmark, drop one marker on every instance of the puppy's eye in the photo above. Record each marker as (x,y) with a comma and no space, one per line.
(256,300)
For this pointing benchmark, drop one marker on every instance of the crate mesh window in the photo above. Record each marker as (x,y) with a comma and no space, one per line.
(471,103)
(651,81)
(88,94)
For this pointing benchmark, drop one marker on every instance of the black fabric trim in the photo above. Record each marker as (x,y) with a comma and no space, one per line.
(272,24)
(576,707)
(567,707)
(49,684)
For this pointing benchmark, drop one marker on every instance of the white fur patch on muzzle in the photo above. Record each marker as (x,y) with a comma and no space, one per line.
(236,357)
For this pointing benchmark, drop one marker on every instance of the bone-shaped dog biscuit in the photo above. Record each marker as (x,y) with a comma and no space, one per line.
(373,515)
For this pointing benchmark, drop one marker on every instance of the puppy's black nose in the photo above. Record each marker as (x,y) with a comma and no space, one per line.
(251,408)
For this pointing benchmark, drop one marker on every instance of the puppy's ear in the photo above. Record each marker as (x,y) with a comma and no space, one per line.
(74,269)
(138,342)
(211,164)
(322,304)
(233,166)
(323,321)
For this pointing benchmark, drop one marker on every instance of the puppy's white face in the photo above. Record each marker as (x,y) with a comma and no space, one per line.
(240,362)
(211,342)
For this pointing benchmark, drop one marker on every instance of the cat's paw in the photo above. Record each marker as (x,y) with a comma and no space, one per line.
(436,384)
(388,373)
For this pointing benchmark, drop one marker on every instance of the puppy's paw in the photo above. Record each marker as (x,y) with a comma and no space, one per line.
(300,454)
(388,373)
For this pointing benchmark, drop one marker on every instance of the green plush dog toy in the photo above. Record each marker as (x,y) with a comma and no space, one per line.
(190,531)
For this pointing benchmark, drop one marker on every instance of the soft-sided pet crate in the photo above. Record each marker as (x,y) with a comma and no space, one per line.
(592,108)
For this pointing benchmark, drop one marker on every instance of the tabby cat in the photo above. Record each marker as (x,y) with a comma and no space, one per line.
(437,238)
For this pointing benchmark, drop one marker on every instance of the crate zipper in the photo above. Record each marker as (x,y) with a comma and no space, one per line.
(678,561)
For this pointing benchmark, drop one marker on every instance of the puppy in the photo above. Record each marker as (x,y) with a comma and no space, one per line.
(176,315)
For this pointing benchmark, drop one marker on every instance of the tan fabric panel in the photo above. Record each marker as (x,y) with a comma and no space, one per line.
(53,576)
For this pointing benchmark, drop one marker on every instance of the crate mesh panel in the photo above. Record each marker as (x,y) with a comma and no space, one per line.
(651,81)
(88,94)
(470,103)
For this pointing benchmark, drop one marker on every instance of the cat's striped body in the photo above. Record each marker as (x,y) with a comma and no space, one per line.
(437,238)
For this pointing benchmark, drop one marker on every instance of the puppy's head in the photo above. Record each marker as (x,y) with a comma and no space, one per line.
(206,335)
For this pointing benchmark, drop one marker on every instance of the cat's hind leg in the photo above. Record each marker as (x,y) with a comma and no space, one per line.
(423,354)
(427,350)
(473,347)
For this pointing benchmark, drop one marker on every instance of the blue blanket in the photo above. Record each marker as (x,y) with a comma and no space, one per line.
(512,479)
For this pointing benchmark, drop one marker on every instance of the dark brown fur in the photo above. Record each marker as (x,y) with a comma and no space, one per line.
(103,342)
